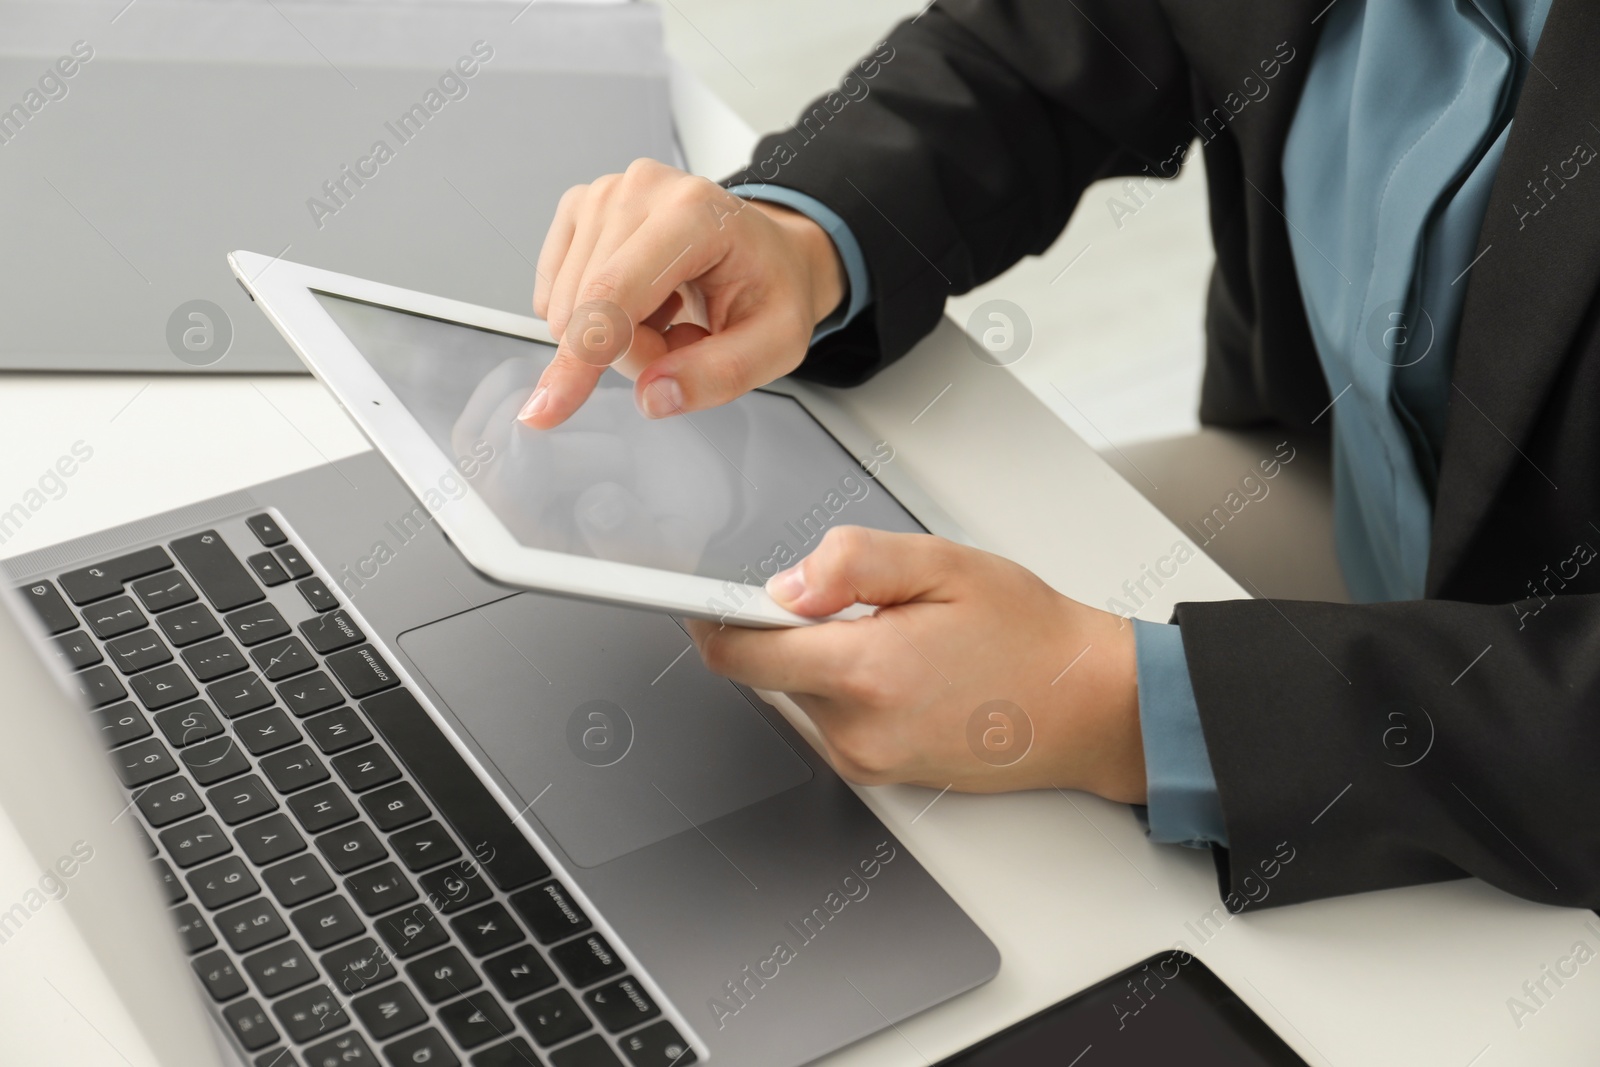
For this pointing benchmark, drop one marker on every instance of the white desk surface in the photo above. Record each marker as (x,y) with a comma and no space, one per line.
(1065,885)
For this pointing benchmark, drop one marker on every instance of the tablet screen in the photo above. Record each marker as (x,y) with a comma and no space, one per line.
(738,492)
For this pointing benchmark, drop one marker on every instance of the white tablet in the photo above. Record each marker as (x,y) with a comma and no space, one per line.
(688,515)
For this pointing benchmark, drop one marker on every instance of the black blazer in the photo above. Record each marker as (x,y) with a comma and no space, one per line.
(1378,745)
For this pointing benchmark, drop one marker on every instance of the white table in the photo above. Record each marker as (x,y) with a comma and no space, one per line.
(1065,885)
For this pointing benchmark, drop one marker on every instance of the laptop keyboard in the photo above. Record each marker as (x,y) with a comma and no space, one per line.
(348,891)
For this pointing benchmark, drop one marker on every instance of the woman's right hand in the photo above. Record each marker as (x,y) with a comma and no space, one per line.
(697,295)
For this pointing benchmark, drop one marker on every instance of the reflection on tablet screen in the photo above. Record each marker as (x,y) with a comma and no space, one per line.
(738,492)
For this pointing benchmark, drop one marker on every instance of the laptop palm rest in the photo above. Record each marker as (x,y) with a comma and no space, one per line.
(602,718)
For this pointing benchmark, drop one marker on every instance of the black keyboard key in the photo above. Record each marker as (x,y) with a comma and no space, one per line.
(394,806)
(424,846)
(264,565)
(218,974)
(168,801)
(185,626)
(269,840)
(587,960)
(550,912)
(487,929)
(337,730)
(310,693)
(658,1045)
(520,973)
(278,1057)
(322,808)
(331,632)
(293,882)
(114,618)
(120,723)
(621,1004)
(388,1011)
(242,799)
(358,965)
(52,610)
(213,659)
(351,847)
(106,579)
(218,572)
(195,841)
(310,1014)
(189,724)
(443,975)
(518,1053)
(250,1024)
(280,968)
(162,687)
(240,694)
(169,882)
(293,769)
(553,1017)
(266,731)
(294,564)
(362,671)
(99,686)
(455,888)
(256,624)
(227,881)
(143,761)
(215,760)
(476,1020)
(266,529)
(282,658)
(162,592)
(346,1050)
(317,595)
(412,931)
(426,1047)
(193,929)
(251,924)
(327,922)
(77,651)
(140,650)
(455,790)
(378,889)
(366,767)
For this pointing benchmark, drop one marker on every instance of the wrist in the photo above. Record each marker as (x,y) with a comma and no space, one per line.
(1104,707)
(823,267)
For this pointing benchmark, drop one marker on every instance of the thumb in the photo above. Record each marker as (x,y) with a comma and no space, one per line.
(857,565)
(704,370)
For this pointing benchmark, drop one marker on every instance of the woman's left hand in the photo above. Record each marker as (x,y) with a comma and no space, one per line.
(973,674)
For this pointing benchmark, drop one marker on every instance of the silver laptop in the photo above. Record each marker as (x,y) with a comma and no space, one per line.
(380,810)
(427,144)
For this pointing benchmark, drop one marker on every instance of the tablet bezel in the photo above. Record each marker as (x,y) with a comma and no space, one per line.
(286,292)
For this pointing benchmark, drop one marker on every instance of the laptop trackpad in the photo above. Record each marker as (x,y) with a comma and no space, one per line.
(606,716)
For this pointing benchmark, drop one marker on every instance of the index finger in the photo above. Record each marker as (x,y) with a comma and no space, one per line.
(672,247)
(796,659)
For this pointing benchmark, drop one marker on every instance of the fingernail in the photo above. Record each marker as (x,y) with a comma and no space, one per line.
(786,586)
(536,403)
(663,397)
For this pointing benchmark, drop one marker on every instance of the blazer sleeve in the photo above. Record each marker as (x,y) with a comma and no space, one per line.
(1383,745)
(963,142)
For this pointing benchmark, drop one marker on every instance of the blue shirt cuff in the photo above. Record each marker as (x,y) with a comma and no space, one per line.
(1183,806)
(855,264)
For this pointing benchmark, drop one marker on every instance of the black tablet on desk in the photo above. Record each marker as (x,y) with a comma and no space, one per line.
(1167,1011)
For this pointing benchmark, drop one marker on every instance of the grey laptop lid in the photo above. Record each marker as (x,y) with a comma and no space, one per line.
(422,144)
(58,793)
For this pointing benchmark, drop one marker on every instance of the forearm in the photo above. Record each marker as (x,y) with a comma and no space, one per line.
(964,142)
(1394,744)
